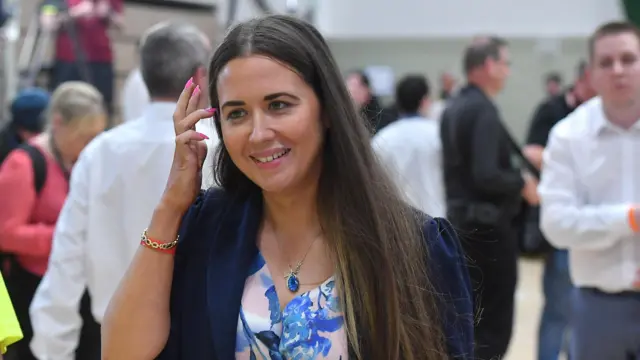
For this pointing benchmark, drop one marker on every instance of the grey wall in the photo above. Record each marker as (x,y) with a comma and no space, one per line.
(524,89)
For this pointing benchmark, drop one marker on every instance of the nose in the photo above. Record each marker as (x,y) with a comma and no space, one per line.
(618,68)
(261,131)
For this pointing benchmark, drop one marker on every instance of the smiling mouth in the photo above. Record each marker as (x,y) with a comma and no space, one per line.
(268,159)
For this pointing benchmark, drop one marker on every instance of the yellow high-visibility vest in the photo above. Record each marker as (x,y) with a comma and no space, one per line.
(10,331)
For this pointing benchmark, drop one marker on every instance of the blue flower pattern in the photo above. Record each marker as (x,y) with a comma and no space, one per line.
(309,327)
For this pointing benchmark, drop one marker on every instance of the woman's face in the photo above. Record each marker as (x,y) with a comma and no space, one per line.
(270,122)
(73,136)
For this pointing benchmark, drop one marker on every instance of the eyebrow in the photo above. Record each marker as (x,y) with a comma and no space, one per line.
(266,98)
(280,94)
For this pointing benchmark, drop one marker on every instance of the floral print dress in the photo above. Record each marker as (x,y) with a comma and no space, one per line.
(309,327)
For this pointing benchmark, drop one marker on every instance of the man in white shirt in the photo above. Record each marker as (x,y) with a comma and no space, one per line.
(410,148)
(590,191)
(114,188)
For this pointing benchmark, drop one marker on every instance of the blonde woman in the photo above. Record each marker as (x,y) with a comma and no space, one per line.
(34,181)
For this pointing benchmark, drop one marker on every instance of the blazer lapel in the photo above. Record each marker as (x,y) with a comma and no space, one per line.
(229,261)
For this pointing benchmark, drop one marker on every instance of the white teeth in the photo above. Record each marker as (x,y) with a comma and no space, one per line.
(272,157)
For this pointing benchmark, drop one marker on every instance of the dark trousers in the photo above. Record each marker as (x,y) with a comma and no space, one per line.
(493,268)
(101,75)
(22,286)
(605,326)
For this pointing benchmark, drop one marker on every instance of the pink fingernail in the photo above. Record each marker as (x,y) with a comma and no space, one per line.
(189,83)
(196,91)
(211,110)
(203,136)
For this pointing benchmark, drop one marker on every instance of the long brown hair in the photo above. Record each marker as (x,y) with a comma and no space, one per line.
(381,257)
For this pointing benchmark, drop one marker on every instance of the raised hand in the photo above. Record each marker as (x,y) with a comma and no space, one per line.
(185,177)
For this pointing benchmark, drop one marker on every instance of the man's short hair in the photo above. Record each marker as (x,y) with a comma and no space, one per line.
(612,28)
(480,50)
(170,54)
(553,77)
(410,91)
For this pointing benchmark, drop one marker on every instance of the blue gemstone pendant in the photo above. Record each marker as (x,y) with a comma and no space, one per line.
(293,284)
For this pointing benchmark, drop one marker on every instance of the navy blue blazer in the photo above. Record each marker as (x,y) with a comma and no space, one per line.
(216,247)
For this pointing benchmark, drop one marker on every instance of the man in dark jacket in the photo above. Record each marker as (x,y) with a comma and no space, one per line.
(484,191)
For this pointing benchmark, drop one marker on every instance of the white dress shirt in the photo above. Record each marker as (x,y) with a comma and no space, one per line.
(115,186)
(411,151)
(135,96)
(590,180)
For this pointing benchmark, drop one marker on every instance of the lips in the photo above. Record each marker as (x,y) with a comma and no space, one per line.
(272,157)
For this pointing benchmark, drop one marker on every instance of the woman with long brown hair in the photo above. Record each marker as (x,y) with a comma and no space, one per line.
(306,251)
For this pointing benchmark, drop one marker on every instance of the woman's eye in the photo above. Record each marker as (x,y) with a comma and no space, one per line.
(235,114)
(278,105)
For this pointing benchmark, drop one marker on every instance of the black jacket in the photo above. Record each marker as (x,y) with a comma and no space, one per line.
(477,155)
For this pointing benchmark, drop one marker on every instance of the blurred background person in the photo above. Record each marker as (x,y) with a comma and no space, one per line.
(410,148)
(557,287)
(114,189)
(553,84)
(27,217)
(83,50)
(590,191)
(370,107)
(447,83)
(484,191)
(27,120)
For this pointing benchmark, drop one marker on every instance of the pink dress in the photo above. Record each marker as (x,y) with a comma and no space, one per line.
(309,327)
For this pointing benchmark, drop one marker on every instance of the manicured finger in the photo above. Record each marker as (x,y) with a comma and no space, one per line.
(182,104)
(190,121)
(193,102)
(190,135)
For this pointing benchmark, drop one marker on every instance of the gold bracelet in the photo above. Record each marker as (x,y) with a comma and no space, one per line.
(169,247)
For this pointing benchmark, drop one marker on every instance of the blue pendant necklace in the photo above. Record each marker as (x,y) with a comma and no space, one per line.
(291,278)
(293,284)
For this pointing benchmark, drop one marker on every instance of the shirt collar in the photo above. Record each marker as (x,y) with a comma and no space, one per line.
(410,116)
(601,124)
(160,111)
